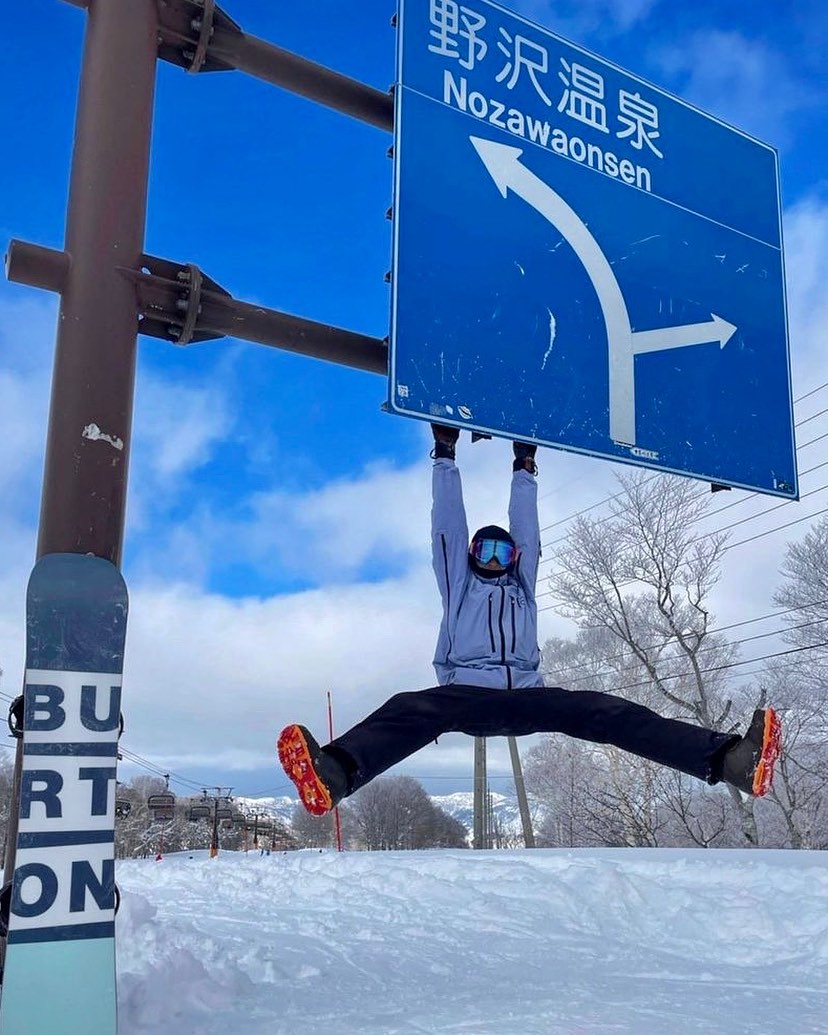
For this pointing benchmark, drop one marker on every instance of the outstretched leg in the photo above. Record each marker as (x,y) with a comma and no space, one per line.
(409,721)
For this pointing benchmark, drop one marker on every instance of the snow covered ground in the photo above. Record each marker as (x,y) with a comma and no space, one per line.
(657,942)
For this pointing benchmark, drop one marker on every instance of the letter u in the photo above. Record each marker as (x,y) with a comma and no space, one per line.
(88,711)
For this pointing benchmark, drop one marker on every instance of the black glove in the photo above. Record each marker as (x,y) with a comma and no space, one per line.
(445,440)
(524,457)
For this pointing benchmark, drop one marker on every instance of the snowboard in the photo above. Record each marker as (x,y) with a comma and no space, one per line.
(59,973)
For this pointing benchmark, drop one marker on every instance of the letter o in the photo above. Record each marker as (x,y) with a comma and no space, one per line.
(48,889)
(478,105)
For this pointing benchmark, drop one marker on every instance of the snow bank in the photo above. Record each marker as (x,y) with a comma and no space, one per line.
(657,942)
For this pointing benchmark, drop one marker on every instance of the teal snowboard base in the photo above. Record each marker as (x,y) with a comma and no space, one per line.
(77,1002)
(59,974)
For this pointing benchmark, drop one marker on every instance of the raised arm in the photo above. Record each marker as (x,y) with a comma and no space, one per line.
(524,526)
(449,530)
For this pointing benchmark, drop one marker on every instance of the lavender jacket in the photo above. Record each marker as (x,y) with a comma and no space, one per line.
(489,632)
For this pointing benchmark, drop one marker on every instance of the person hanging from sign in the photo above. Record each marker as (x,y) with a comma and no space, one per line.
(487,662)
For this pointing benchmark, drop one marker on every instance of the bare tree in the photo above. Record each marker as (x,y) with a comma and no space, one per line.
(804,591)
(797,685)
(6,777)
(637,584)
(395,812)
(312,831)
(800,788)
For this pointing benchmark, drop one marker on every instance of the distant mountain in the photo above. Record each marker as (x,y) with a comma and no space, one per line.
(280,808)
(505,812)
(460,806)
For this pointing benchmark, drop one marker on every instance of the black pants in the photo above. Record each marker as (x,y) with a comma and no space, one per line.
(409,721)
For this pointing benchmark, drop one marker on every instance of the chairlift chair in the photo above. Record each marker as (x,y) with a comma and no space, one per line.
(162,806)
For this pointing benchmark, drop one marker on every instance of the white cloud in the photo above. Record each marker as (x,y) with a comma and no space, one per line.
(806,246)
(743,81)
(178,425)
(373,523)
(208,675)
(27,331)
(176,429)
(576,18)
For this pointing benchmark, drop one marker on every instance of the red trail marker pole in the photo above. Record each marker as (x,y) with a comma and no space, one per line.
(337,822)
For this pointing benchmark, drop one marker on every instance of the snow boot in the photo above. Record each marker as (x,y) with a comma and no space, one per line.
(748,765)
(320,779)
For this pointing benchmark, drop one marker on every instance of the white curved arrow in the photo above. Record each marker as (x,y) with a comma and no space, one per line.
(509,173)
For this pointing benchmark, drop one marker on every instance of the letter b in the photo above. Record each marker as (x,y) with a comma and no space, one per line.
(42,709)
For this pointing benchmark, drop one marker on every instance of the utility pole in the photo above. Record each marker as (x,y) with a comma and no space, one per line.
(479,836)
(520,789)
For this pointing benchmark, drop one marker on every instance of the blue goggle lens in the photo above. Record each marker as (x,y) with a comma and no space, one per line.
(485,550)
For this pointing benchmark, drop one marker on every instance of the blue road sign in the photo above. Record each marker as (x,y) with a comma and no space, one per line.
(581,258)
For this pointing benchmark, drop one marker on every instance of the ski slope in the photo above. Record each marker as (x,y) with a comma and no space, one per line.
(655,942)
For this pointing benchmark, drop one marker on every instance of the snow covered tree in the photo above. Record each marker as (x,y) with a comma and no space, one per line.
(804,592)
(312,831)
(637,584)
(6,775)
(796,683)
(395,812)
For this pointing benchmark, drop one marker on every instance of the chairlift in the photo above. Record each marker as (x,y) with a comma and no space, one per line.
(198,811)
(162,806)
(123,807)
(224,812)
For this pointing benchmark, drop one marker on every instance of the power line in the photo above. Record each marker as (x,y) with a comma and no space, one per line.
(769,510)
(754,495)
(630,653)
(609,499)
(813,416)
(725,528)
(813,391)
(156,770)
(728,665)
(778,528)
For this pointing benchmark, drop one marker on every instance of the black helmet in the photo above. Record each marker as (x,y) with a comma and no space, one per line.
(493,533)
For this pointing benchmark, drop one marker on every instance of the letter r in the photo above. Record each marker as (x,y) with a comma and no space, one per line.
(48,794)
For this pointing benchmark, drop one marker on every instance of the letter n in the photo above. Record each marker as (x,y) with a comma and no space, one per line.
(85,879)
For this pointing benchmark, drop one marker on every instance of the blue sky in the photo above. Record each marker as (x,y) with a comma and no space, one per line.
(277,527)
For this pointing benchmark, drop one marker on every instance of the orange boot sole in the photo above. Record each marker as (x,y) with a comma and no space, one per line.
(297,763)
(771,741)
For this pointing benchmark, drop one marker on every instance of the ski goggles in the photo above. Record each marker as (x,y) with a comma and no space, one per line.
(485,550)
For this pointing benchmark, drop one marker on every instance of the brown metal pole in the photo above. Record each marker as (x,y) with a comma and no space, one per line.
(216,313)
(90,420)
(520,790)
(282,68)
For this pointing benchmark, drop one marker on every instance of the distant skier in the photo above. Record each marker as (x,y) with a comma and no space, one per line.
(487,661)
